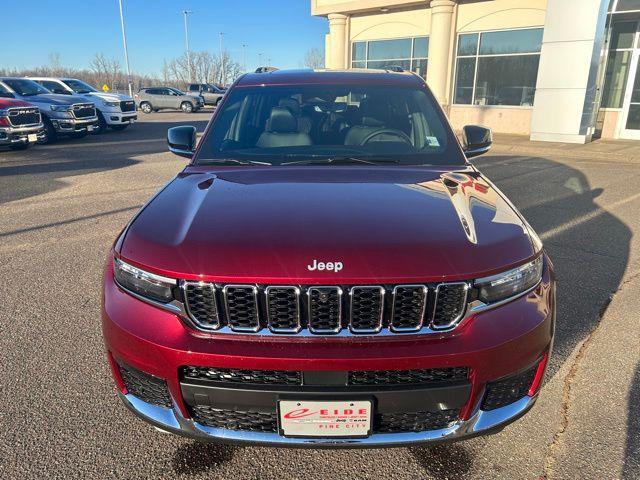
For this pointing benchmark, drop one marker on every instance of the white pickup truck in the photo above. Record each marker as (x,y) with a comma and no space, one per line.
(115,110)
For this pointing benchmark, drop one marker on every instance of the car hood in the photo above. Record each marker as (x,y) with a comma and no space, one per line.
(110,97)
(383,224)
(56,99)
(11,103)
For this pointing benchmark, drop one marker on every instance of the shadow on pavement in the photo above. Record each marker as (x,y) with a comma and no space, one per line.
(198,457)
(631,466)
(36,171)
(589,257)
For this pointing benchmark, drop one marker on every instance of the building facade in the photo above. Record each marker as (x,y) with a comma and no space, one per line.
(557,70)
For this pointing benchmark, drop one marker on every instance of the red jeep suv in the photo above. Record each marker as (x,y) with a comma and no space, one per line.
(329,270)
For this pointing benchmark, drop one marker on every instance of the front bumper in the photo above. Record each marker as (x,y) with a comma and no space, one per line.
(492,345)
(67,125)
(481,423)
(118,117)
(20,135)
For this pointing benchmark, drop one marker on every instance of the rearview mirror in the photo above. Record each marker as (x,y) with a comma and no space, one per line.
(182,140)
(476,140)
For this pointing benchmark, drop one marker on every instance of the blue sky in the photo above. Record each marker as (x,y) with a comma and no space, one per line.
(283,30)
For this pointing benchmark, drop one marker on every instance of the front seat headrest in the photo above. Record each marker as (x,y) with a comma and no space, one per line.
(282,121)
(291,104)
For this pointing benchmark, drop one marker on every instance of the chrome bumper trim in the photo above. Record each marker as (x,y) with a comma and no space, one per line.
(482,422)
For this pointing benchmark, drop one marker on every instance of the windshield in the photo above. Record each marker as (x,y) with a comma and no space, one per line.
(360,124)
(179,92)
(25,87)
(79,86)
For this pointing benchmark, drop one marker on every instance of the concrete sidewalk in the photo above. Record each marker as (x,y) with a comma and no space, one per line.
(619,150)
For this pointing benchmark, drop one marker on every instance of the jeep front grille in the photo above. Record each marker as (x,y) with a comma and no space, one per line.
(21,117)
(84,110)
(325,310)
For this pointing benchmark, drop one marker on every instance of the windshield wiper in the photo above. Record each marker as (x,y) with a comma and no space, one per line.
(232,161)
(342,160)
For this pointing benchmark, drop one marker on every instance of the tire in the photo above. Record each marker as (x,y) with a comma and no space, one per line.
(118,128)
(50,134)
(102,123)
(217,102)
(146,107)
(186,107)
(22,146)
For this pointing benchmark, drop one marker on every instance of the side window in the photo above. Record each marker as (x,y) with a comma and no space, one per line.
(194,88)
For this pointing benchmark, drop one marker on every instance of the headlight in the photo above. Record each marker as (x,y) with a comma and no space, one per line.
(110,104)
(144,283)
(510,283)
(61,108)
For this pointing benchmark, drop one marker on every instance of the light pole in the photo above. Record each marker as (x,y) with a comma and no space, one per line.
(244,57)
(223,75)
(126,51)
(186,42)
(260,59)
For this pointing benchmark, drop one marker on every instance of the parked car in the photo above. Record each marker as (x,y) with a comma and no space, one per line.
(212,94)
(115,110)
(68,115)
(20,122)
(159,98)
(356,284)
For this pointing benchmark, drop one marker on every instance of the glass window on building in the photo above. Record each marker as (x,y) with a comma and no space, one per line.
(497,68)
(618,63)
(406,53)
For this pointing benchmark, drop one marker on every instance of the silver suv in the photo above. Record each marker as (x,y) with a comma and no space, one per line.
(158,98)
(212,94)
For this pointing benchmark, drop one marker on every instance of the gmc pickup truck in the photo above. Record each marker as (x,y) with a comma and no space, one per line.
(358,283)
(61,114)
(20,123)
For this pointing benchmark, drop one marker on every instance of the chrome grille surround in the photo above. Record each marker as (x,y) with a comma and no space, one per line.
(241,307)
(24,116)
(83,110)
(440,303)
(283,308)
(314,310)
(398,312)
(371,307)
(325,308)
(201,304)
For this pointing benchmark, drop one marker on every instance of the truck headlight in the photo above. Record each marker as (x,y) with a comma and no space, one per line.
(61,108)
(110,104)
(149,285)
(510,283)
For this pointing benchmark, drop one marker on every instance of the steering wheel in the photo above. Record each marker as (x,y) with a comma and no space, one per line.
(387,131)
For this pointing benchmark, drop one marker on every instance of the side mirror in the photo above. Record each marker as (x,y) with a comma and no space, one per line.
(476,140)
(182,140)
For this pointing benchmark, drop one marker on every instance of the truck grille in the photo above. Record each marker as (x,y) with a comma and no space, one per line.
(128,106)
(19,117)
(84,110)
(325,310)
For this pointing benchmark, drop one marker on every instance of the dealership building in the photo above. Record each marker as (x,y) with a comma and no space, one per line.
(557,70)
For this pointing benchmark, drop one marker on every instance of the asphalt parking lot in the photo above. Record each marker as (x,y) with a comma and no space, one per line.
(62,205)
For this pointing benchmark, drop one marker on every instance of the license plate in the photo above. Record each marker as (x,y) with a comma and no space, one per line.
(90,128)
(32,137)
(325,418)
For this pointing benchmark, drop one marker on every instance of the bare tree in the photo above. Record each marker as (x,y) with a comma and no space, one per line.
(314,58)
